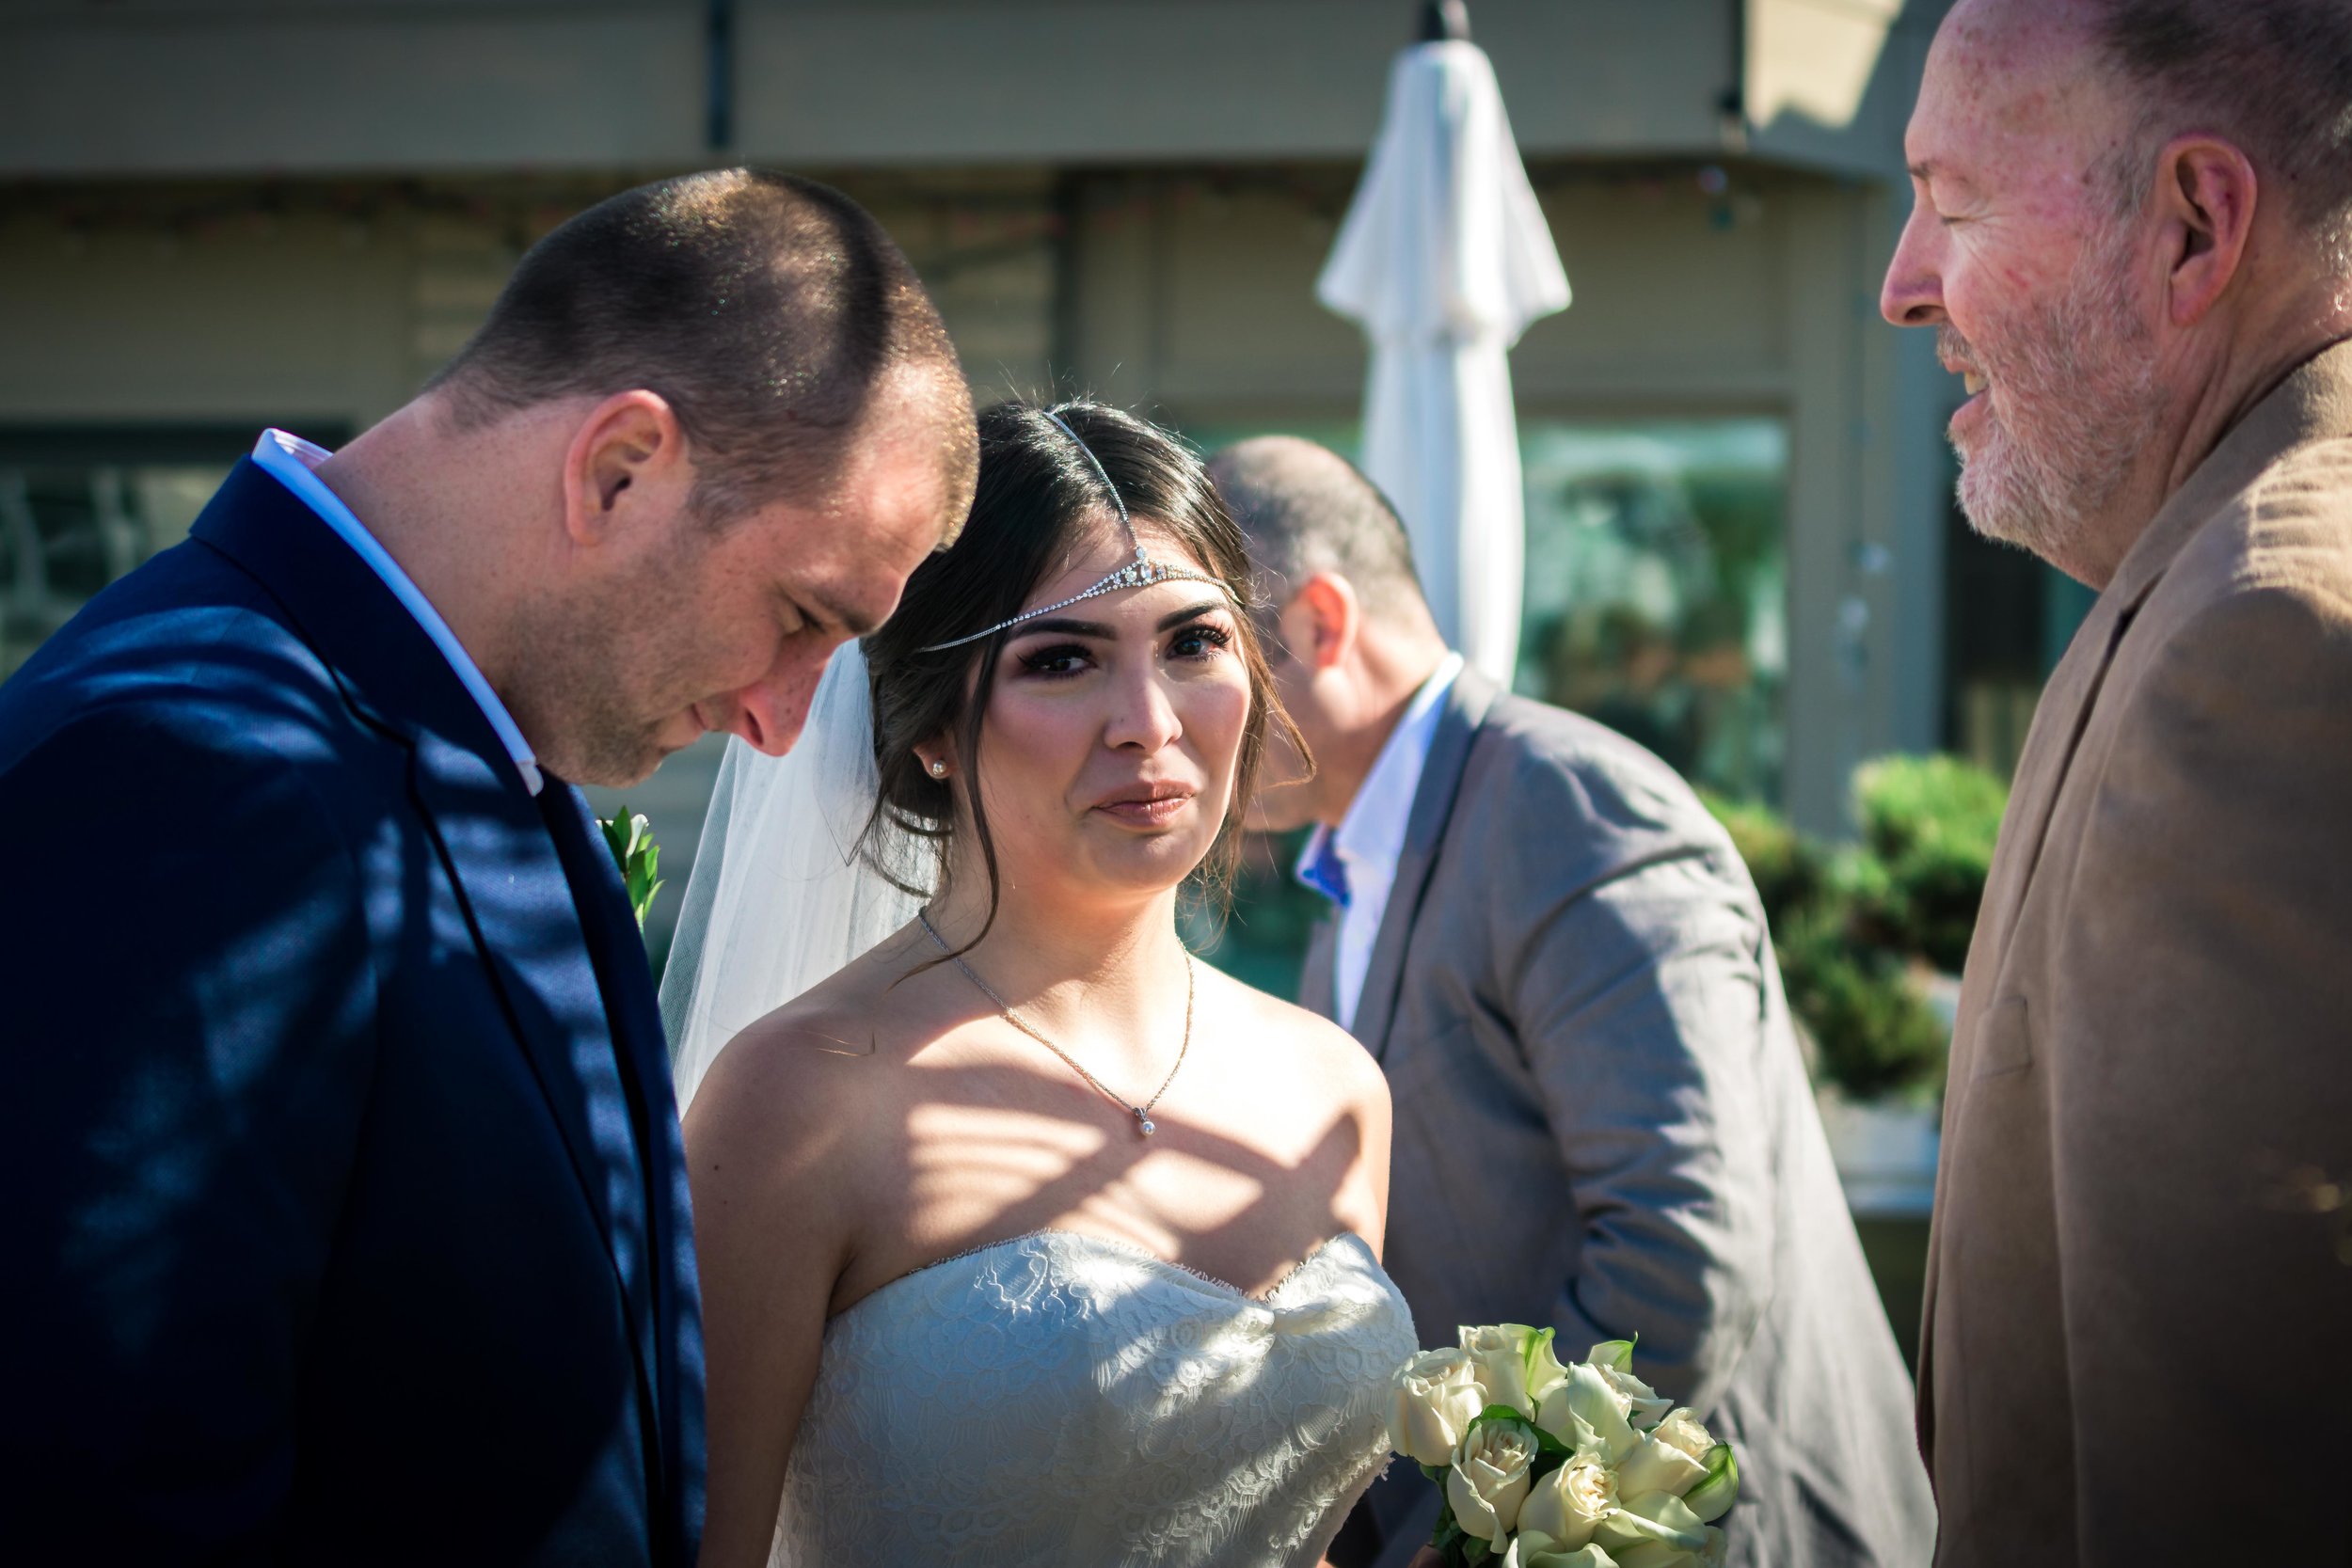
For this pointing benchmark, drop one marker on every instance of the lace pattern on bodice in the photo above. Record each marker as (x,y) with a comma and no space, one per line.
(1061,1398)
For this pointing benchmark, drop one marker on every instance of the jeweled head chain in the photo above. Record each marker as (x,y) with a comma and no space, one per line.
(1139,573)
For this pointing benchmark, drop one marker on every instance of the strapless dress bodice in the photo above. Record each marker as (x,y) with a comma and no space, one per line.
(1060,1399)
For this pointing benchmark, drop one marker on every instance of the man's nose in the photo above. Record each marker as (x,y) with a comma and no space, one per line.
(1913,294)
(771,713)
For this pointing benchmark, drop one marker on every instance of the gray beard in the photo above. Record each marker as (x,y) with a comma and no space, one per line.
(2074,406)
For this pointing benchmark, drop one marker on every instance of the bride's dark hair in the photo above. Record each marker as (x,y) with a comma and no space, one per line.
(1038,501)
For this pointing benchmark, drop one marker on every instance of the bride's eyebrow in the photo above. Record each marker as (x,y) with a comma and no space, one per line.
(1097,629)
(1177,618)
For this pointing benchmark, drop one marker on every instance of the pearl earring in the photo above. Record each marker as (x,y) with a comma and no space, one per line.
(939,769)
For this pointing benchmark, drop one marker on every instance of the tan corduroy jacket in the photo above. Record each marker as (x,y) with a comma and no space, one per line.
(2137,1340)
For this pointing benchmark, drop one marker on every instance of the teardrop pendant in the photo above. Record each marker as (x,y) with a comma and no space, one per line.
(1143,1121)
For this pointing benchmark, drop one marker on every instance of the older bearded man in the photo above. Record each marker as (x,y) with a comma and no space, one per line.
(2134,236)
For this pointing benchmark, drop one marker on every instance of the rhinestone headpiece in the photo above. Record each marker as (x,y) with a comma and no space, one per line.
(1139,573)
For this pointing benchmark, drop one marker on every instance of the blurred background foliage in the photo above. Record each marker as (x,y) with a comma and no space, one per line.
(1863,929)
(1868,932)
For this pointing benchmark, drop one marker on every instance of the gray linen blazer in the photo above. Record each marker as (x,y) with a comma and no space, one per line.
(2143,1239)
(1603,1124)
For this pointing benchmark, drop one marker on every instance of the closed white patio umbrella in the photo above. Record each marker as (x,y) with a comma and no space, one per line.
(1444,260)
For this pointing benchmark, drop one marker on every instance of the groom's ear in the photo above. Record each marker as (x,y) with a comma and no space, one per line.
(626,452)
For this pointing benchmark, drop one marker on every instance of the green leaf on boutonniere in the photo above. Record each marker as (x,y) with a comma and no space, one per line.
(631,839)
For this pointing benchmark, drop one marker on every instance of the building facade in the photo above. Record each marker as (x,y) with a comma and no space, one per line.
(221,214)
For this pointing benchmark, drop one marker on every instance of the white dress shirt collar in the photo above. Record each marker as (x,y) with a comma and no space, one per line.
(290,460)
(1370,837)
(1373,827)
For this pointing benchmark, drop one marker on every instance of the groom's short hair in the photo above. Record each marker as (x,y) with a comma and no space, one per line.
(765,307)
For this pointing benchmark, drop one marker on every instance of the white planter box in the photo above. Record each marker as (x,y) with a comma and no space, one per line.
(1886,1153)
(1886,1150)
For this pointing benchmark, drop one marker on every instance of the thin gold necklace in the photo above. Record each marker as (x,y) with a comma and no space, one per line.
(1142,1113)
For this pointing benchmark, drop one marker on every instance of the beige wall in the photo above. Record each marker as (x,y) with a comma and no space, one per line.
(191,304)
(1200,305)
(135,322)
(193,87)
(1188,293)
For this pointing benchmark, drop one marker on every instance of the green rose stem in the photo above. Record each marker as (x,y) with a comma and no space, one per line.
(639,856)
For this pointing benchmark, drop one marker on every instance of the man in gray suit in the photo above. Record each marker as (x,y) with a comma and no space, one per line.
(1602,1120)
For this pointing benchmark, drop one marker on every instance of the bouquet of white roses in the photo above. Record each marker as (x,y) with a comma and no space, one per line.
(1546,1465)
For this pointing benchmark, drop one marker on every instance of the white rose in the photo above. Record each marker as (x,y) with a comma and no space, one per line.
(1716,1486)
(1658,1554)
(1435,1399)
(1659,1519)
(1543,1371)
(1567,1504)
(1655,1466)
(1488,1480)
(1683,1431)
(1501,1353)
(1613,1360)
(1534,1549)
(1584,1412)
(1643,1408)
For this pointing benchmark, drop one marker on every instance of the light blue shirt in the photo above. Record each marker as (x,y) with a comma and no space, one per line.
(1371,838)
(291,460)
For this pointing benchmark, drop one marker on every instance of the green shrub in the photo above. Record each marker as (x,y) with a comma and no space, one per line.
(1791,872)
(1873,1032)
(1261,938)
(1906,801)
(1939,888)
(1931,823)
(1852,924)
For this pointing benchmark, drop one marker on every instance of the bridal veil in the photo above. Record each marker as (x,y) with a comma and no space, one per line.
(788,885)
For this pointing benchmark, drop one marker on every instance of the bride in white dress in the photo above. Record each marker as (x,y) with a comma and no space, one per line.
(1025,1238)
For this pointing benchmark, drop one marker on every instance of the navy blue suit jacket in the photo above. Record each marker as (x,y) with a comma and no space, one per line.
(341,1194)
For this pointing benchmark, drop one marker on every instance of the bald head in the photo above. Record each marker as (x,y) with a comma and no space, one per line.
(2127,230)
(2120,78)
(2275,78)
(1306,510)
(1353,638)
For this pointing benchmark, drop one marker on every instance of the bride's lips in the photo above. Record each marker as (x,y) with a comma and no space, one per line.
(1153,805)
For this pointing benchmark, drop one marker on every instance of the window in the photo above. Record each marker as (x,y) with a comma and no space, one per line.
(1655,601)
(1658,589)
(82,505)
(2008,618)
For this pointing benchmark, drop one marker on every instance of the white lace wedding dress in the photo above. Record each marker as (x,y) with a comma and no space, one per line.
(1064,1399)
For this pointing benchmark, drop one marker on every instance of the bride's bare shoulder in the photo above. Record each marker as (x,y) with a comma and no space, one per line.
(1320,1047)
(807,1077)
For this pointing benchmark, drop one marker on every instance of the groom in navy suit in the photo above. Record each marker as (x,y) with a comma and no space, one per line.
(340,1191)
